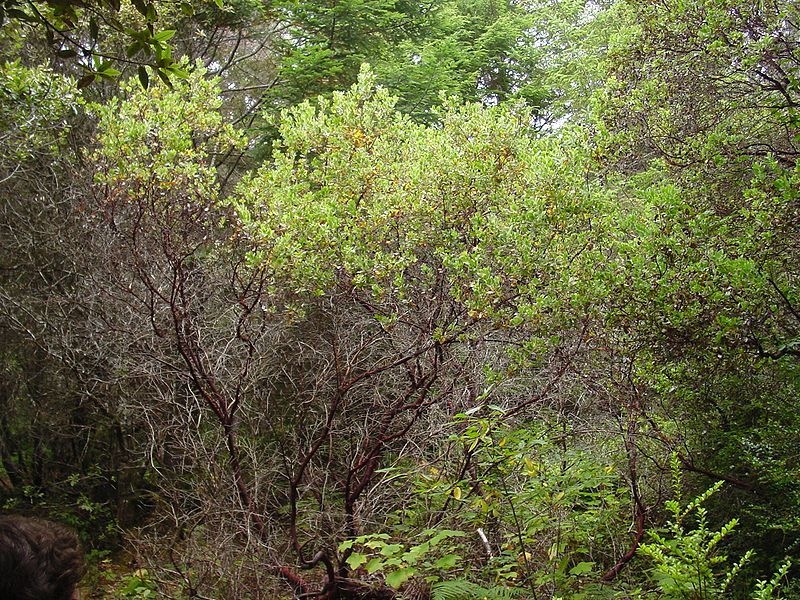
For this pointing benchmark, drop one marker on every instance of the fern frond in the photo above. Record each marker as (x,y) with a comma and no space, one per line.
(461,589)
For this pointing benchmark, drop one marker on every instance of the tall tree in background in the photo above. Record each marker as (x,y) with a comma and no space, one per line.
(326,42)
(484,50)
(489,51)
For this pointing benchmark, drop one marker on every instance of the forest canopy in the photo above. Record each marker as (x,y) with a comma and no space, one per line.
(374,299)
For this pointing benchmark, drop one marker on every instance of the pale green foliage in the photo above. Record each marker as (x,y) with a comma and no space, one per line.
(34,106)
(547,509)
(398,561)
(688,562)
(767,589)
(686,555)
(164,139)
(359,195)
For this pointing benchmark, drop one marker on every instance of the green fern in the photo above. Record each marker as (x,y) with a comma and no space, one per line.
(461,589)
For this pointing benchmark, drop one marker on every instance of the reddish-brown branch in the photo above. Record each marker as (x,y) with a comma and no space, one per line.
(297,583)
(628,556)
(639,512)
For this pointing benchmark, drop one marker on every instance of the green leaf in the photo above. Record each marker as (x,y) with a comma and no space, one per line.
(110,72)
(218,3)
(444,534)
(582,568)
(176,70)
(144,78)
(162,75)
(134,49)
(355,560)
(416,552)
(448,561)
(391,549)
(397,578)
(163,36)
(375,564)
(19,14)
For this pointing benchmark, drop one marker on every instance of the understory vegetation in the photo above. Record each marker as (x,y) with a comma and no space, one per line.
(374,299)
